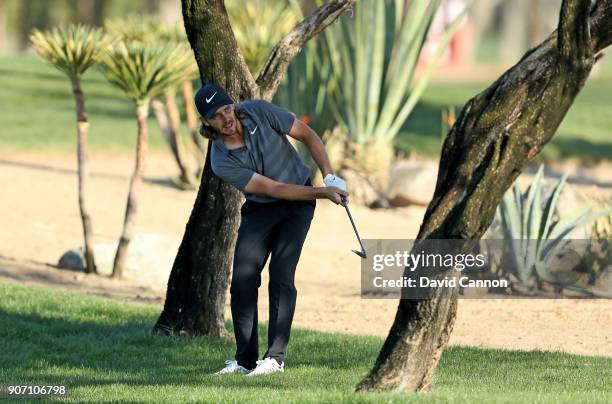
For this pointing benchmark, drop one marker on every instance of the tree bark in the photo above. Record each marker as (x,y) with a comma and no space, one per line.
(200,274)
(175,127)
(142,112)
(83,174)
(192,124)
(169,130)
(4,42)
(496,134)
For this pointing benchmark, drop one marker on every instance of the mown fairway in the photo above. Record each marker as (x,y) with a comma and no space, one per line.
(102,350)
(38,113)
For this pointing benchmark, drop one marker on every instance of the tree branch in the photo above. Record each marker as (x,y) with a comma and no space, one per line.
(601,29)
(287,48)
(496,134)
(574,33)
(215,47)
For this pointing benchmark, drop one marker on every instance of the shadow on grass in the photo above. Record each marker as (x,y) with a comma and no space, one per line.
(53,350)
(575,146)
(51,74)
(162,182)
(99,346)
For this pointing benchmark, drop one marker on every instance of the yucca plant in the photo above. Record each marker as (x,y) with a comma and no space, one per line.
(305,90)
(153,30)
(259,24)
(73,50)
(531,230)
(142,71)
(376,54)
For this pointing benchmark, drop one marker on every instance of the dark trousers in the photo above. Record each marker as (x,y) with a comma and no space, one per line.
(276,229)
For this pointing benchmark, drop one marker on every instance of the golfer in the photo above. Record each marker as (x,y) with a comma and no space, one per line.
(250,151)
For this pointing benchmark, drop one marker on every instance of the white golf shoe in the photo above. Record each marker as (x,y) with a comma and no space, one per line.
(267,366)
(233,367)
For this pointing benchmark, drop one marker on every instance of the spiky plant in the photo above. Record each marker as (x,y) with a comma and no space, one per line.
(532,231)
(153,30)
(73,50)
(142,71)
(376,54)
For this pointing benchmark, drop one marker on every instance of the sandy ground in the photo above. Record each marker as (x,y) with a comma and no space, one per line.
(40,220)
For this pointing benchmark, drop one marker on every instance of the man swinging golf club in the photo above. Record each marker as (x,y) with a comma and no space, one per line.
(251,152)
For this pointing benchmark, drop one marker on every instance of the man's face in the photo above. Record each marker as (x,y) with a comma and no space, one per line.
(224,120)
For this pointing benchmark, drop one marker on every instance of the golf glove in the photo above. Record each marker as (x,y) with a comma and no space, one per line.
(331,180)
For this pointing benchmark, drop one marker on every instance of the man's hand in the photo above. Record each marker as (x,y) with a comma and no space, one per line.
(334,194)
(332,180)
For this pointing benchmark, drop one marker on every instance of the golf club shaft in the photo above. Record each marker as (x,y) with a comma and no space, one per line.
(352,223)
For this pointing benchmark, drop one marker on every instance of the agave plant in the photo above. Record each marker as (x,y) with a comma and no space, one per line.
(376,54)
(305,90)
(73,50)
(165,107)
(142,71)
(532,231)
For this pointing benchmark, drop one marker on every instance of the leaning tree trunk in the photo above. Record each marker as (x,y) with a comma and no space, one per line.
(175,128)
(496,134)
(142,112)
(83,173)
(200,274)
(162,115)
(192,124)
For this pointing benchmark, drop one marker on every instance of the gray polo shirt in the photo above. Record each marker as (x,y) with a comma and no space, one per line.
(267,150)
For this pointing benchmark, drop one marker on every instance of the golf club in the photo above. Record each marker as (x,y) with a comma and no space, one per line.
(361,253)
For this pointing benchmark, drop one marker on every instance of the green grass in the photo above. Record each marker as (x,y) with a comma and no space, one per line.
(103,351)
(585,133)
(38,109)
(38,113)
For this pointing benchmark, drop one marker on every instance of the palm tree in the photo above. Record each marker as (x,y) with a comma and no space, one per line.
(175,32)
(153,30)
(142,71)
(73,50)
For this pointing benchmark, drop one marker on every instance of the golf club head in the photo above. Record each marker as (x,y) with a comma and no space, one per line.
(362,254)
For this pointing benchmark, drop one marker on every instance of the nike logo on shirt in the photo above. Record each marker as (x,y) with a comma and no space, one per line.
(208,100)
(253,131)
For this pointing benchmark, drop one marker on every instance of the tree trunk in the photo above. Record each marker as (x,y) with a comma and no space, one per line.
(99,12)
(24,24)
(175,127)
(84,10)
(193,125)
(142,112)
(4,40)
(163,117)
(496,134)
(200,274)
(83,174)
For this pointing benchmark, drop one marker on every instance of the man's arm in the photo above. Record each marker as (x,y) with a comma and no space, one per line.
(302,132)
(261,185)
